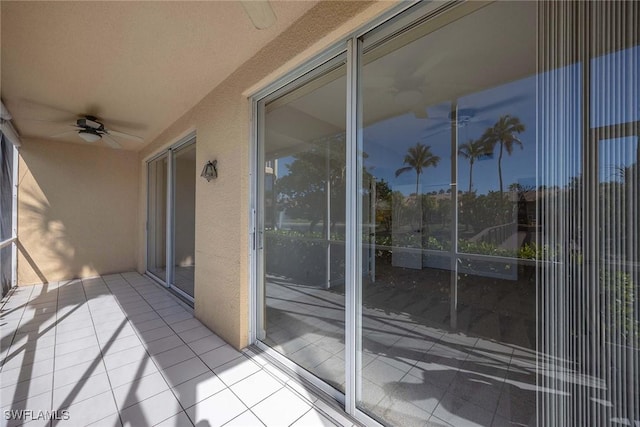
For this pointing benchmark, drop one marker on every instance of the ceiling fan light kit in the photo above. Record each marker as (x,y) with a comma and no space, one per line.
(89,136)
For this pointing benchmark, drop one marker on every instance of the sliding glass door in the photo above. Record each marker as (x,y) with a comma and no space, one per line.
(302,191)
(171,217)
(184,215)
(157,217)
(448,234)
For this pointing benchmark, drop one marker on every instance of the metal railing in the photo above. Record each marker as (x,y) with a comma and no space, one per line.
(495,235)
(7,242)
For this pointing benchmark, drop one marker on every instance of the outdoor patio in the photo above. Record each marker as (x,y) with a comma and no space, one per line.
(120,350)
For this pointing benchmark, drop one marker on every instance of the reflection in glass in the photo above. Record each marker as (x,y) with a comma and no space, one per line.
(448,300)
(184,202)
(157,217)
(615,86)
(303,215)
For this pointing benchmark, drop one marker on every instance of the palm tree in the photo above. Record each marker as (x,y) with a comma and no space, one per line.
(472,150)
(417,158)
(503,133)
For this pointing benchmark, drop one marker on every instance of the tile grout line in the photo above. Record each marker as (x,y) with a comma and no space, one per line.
(228,387)
(15,332)
(255,415)
(249,408)
(115,402)
(287,386)
(151,358)
(187,345)
(119,410)
(24,309)
(55,340)
(504,384)
(198,356)
(141,344)
(300,417)
(54,326)
(247,358)
(313,404)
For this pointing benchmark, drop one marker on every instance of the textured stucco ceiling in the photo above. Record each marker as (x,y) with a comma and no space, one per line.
(138,65)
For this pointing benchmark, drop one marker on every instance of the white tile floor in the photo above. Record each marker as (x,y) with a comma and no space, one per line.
(119,350)
(414,374)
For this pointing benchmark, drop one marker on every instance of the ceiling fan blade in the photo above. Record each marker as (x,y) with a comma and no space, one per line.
(444,124)
(124,135)
(420,112)
(30,104)
(260,13)
(486,122)
(111,142)
(122,124)
(65,133)
(428,63)
(436,133)
(58,121)
(4,113)
(500,104)
(379,83)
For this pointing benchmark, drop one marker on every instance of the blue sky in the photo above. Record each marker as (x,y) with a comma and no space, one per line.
(386,142)
(555,119)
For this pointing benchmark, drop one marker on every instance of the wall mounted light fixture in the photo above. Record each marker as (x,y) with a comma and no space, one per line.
(210,170)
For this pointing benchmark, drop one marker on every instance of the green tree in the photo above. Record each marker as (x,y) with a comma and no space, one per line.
(504,133)
(383,191)
(418,158)
(472,150)
(383,204)
(303,191)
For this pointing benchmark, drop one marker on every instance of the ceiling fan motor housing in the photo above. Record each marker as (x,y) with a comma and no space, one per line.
(462,116)
(88,122)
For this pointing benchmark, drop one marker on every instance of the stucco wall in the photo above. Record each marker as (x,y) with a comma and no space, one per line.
(77,211)
(222,121)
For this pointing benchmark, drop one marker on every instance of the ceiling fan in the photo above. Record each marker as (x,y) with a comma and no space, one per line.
(91,130)
(260,13)
(406,85)
(464,117)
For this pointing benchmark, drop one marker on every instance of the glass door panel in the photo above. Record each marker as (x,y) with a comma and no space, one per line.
(6,213)
(184,205)
(448,138)
(302,214)
(157,217)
